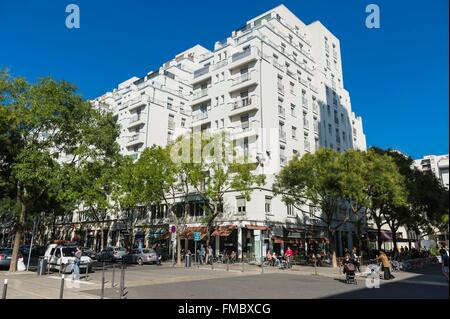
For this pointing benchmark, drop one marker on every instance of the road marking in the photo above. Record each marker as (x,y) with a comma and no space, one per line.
(75,281)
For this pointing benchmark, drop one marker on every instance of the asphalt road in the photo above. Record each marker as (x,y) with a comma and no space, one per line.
(428,283)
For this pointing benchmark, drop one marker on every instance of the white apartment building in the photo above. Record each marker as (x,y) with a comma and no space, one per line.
(277,86)
(436,164)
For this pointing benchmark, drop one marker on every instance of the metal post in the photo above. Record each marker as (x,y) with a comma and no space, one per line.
(113,275)
(103,281)
(262,265)
(121,283)
(315,267)
(61,288)
(228,264)
(212,262)
(243,265)
(87,271)
(195,252)
(5,288)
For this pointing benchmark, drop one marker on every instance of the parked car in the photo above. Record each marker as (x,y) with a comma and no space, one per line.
(140,256)
(89,252)
(57,255)
(111,254)
(5,257)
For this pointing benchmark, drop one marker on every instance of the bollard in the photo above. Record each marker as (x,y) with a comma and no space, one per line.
(315,267)
(228,264)
(243,264)
(103,281)
(5,288)
(212,264)
(113,275)
(87,271)
(262,267)
(61,288)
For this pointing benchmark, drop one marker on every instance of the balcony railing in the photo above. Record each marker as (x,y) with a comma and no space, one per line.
(200,94)
(304,102)
(290,73)
(281,88)
(307,146)
(276,64)
(133,138)
(304,82)
(283,160)
(220,64)
(240,55)
(201,71)
(282,135)
(200,116)
(313,88)
(316,108)
(242,78)
(281,111)
(306,124)
(171,125)
(242,103)
(135,119)
(316,127)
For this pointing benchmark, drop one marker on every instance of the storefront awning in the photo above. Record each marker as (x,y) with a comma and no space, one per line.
(224,231)
(164,236)
(189,232)
(254,227)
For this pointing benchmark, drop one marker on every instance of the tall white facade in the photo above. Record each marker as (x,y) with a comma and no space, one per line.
(436,164)
(275,84)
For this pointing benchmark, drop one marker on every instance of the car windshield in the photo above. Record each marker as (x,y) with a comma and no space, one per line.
(69,251)
(147,251)
(120,249)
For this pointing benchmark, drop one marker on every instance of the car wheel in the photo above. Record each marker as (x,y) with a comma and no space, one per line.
(140,261)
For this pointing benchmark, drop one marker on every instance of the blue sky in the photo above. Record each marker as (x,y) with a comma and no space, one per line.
(397,75)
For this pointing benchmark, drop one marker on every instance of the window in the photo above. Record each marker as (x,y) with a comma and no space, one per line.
(240,203)
(222,122)
(290,210)
(268,204)
(294,132)
(183,122)
(293,110)
(292,87)
(217,101)
(330,129)
(222,99)
(328,110)
(246,149)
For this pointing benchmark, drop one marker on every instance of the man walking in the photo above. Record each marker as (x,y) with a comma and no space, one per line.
(202,254)
(288,255)
(158,254)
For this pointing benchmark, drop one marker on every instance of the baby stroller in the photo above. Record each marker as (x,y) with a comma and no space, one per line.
(349,270)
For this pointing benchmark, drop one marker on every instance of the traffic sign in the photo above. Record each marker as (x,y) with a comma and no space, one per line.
(173,229)
(197,236)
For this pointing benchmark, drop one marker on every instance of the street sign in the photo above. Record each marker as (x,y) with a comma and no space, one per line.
(197,236)
(173,229)
(174,236)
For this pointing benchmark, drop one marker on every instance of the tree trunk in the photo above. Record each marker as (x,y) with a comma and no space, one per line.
(379,241)
(18,237)
(102,241)
(332,248)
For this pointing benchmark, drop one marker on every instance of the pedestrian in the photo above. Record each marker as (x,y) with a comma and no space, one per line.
(158,254)
(288,256)
(269,257)
(386,265)
(444,258)
(355,259)
(202,254)
(210,255)
(76,264)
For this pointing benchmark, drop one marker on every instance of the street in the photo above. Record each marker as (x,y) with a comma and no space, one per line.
(165,282)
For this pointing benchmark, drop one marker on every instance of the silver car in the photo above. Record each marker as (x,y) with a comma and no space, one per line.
(140,256)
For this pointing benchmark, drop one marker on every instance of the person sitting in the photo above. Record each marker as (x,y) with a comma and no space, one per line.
(269,257)
(346,263)
(275,260)
(232,256)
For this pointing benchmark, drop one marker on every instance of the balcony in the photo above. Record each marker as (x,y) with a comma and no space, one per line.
(199,116)
(282,135)
(305,102)
(242,81)
(281,111)
(200,95)
(307,146)
(136,120)
(290,73)
(243,57)
(245,129)
(316,127)
(220,64)
(283,160)
(277,65)
(204,70)
(243,105)
(135,139)
(242,78)
(137,102)
(315,108)
(281,88)
(171,125)
(306,124)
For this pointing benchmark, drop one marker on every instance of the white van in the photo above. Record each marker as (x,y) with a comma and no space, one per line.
(57,255)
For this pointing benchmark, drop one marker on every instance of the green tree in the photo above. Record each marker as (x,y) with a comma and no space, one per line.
(47,123)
